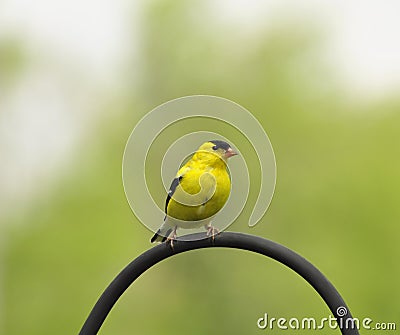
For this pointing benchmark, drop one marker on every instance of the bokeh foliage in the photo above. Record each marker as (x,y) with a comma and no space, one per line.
(336,199)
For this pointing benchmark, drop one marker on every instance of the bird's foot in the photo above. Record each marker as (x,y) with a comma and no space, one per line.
(212,232)
(170,239)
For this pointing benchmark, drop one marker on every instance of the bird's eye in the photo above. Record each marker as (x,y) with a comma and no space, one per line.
(214,147)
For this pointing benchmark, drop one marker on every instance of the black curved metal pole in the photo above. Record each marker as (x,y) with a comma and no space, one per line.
(225,240)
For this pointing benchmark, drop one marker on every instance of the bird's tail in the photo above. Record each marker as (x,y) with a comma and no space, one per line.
(162,233)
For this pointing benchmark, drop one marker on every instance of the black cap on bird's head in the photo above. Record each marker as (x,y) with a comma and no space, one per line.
(218,144)
(226,147)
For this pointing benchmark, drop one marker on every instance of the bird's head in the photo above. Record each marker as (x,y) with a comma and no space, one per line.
(215,150)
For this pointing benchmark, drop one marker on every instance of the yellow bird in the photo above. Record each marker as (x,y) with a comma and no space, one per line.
(200,189)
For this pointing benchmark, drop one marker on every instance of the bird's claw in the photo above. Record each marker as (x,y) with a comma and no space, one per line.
(212,231)
(170,239)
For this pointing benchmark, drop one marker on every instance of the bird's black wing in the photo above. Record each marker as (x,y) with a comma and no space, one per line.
(171,191)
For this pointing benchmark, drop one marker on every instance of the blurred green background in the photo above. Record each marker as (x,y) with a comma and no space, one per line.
(68,230)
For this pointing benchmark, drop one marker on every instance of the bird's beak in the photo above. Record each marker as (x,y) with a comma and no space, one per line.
(230,153)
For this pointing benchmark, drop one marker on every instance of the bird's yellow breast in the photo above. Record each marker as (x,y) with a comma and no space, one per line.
(202,192)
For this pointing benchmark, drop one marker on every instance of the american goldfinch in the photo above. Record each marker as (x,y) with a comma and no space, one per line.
(199,190)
